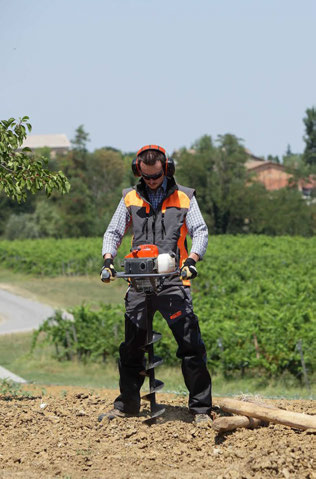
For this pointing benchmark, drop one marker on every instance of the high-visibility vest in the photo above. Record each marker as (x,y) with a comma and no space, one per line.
(165,227)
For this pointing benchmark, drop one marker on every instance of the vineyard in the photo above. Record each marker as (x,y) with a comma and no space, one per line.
(52,257)
(254,296)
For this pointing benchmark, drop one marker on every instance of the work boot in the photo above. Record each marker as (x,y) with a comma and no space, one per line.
(113,413)
(202,420)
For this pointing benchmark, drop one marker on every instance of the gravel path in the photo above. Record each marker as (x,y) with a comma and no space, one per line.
(19,314)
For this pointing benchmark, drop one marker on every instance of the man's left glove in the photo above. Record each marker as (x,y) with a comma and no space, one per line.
(188,270)
(108,272)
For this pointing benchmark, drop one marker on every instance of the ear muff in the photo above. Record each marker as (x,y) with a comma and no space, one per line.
(168,166)
(135,167)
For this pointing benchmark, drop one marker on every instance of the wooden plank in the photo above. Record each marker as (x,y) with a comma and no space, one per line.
(225,424)
(266,413)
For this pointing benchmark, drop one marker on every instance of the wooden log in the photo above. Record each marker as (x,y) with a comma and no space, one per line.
(267,413)
(225,424)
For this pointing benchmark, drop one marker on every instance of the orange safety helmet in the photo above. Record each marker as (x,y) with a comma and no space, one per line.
(168,165)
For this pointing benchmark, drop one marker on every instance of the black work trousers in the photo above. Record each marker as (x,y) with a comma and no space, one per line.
(191,351)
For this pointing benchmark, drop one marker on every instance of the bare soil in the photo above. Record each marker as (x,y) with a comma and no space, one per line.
(63,439)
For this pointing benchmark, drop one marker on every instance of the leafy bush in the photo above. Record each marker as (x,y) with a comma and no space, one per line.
(44,222)
(11,390)
(90,335)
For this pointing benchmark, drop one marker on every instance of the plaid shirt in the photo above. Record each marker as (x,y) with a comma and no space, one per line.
(121,220)
(157,196)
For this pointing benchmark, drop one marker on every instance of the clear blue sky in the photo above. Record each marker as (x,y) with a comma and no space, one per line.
(135,72)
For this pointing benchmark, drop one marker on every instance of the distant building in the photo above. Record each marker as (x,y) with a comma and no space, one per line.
(58,143)
(273,175)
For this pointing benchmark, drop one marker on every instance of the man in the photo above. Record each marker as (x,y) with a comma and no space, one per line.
(160,212)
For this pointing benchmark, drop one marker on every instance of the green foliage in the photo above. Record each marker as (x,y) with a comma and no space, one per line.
(300,172)
(310,137)
(44,222)
(105,180)
(91,335)
(76,210)
(80,140)
(279,212)
(255,299)
(194,169)
(254,296)
(97,180)
(54,257)
(11,390)
(51,257)
(21,226)
(19,170)
(232,202)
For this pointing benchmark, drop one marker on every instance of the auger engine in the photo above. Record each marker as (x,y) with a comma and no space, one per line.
(144,264)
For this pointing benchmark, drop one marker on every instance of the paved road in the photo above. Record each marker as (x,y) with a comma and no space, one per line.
(20,314)
(6,374)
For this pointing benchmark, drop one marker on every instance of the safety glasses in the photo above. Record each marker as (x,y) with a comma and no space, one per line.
(152,177)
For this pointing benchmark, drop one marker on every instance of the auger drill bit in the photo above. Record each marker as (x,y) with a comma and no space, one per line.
(153,361)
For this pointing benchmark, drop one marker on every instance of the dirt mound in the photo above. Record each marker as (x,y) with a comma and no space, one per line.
(57,435)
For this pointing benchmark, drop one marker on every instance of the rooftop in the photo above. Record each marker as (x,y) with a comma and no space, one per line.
(50,141)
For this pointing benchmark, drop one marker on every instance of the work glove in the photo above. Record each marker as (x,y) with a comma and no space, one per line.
(188,270)
(108,272)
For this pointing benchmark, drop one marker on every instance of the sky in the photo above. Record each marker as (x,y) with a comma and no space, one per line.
(136,72)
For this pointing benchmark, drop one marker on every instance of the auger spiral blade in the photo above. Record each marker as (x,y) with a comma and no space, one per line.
(153,361)
(155,338)
(152,364)
(157,386)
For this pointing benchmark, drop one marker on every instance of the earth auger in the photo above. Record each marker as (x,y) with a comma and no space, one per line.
(147,270)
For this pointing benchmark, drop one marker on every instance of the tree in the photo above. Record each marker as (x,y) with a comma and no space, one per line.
(77,210)
(194,168)
(20,171)
(105,181)
(44,222)
(79,152)
(219,175)
(80,140)
(296,166)
(281,212)
(106,169)
(228,183)
(310,137)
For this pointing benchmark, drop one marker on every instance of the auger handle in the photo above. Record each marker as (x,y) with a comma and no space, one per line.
(147,275)
(183,274)
(105,274)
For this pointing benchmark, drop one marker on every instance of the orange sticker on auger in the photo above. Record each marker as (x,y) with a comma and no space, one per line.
(176,315)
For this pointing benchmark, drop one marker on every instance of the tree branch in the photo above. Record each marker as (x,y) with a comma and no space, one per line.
(6,168)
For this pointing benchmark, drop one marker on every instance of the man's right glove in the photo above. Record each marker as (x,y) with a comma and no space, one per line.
(188,270)
(108,272)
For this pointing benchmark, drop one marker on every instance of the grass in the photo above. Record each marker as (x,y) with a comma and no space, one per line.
(41,368)
(63,292)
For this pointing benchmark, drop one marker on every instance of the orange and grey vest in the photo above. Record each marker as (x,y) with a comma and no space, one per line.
(165,227)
